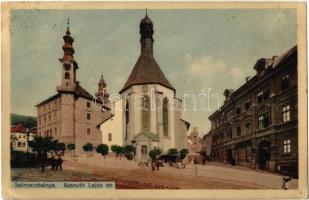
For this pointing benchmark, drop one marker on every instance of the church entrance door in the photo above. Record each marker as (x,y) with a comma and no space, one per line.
(144,153)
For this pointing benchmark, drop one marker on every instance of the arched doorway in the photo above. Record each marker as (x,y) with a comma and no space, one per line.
(263,154)
(144,152)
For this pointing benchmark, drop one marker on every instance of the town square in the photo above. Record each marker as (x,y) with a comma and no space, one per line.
(155,99)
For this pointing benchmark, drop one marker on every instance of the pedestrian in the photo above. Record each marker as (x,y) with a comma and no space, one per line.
(52,161)
(285,182)
(157,164)
(58,162)
(152,165)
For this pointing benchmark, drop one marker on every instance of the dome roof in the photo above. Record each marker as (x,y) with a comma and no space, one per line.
(146,20)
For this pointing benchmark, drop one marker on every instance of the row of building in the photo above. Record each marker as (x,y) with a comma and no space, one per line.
(257,124)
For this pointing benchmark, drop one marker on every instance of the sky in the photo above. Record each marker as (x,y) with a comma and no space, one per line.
(198,50)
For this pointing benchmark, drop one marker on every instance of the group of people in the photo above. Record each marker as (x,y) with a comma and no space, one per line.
(155,164)
(55,161)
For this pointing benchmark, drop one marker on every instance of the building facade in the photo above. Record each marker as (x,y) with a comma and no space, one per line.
(150,114)
(257,124)
(72,114)
(20,137)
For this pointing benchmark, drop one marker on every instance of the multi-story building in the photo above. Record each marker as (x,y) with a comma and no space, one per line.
(20,137)
(257,124)
(72,114)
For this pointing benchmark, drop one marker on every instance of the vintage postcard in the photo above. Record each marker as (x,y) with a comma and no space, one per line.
(154,100)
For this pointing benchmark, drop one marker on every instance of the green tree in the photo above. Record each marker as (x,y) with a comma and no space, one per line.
(154,153)
(88,147)
(103,149)
(42,145)
(60,146)
(118,150)
(183,153)
(71,147)
(172,151)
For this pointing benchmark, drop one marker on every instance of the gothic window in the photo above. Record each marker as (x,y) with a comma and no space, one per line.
(145,113)
(67,75)
(165,116)
(127,118)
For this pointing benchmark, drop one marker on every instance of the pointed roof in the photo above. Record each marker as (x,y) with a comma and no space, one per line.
(146,71)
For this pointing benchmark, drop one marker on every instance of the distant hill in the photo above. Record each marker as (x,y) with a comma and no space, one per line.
(26,121)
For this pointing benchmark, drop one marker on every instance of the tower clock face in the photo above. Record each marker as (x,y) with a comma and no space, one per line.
(67,66)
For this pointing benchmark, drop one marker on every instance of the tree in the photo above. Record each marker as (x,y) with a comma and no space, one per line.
(60,146)
(118,150)
(88,147)
(42,145)
(154,153)
(129,151)
(103,149)
(172,151)
(183,153)
(71,147)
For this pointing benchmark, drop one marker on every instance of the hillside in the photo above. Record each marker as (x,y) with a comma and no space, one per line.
(26,121)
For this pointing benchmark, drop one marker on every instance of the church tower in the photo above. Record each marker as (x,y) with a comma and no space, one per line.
(102,94)
(68,64)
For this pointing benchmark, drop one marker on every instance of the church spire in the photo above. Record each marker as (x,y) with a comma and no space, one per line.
(146,31)
(68,49)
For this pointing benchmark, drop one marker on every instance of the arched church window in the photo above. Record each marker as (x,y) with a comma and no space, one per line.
(67,75)
(127,118)
(165,116)
(145,113)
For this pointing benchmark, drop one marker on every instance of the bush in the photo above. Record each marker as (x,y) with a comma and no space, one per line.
(22,160)
(71,146)
(88,148)
(172,151)
(118,150)
(183,153)
(103,149)
(154,153)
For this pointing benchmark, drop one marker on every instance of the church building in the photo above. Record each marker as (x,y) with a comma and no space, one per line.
(72,114)
(148,114)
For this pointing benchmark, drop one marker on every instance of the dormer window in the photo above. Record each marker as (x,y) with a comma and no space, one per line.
(285,82)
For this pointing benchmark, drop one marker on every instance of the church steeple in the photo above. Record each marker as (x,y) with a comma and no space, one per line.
(102,94)
(69,65)
(68,49)
(146,31)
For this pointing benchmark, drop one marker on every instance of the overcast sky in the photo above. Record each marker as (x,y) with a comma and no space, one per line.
(196,49)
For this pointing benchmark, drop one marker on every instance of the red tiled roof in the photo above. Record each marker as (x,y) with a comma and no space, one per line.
(19,128)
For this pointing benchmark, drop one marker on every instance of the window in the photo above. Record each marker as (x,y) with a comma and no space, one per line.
(260,96)
(247,103)
(165,116)
(145,113)
(88,104)
(127,114)
(88,116)
(285,82)
(264,121)
(88,131)
(266,93)
(44,120)
(144,150)
(67,75)
(238,110)
(238,131)
(286,113)
(49,118)
(247,127)
(229,135)
(55,131)
(55,116)
(109,137)
(287,146)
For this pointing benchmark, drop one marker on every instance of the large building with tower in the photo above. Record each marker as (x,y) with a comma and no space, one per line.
(257,124)
(72,114)
(148,114)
